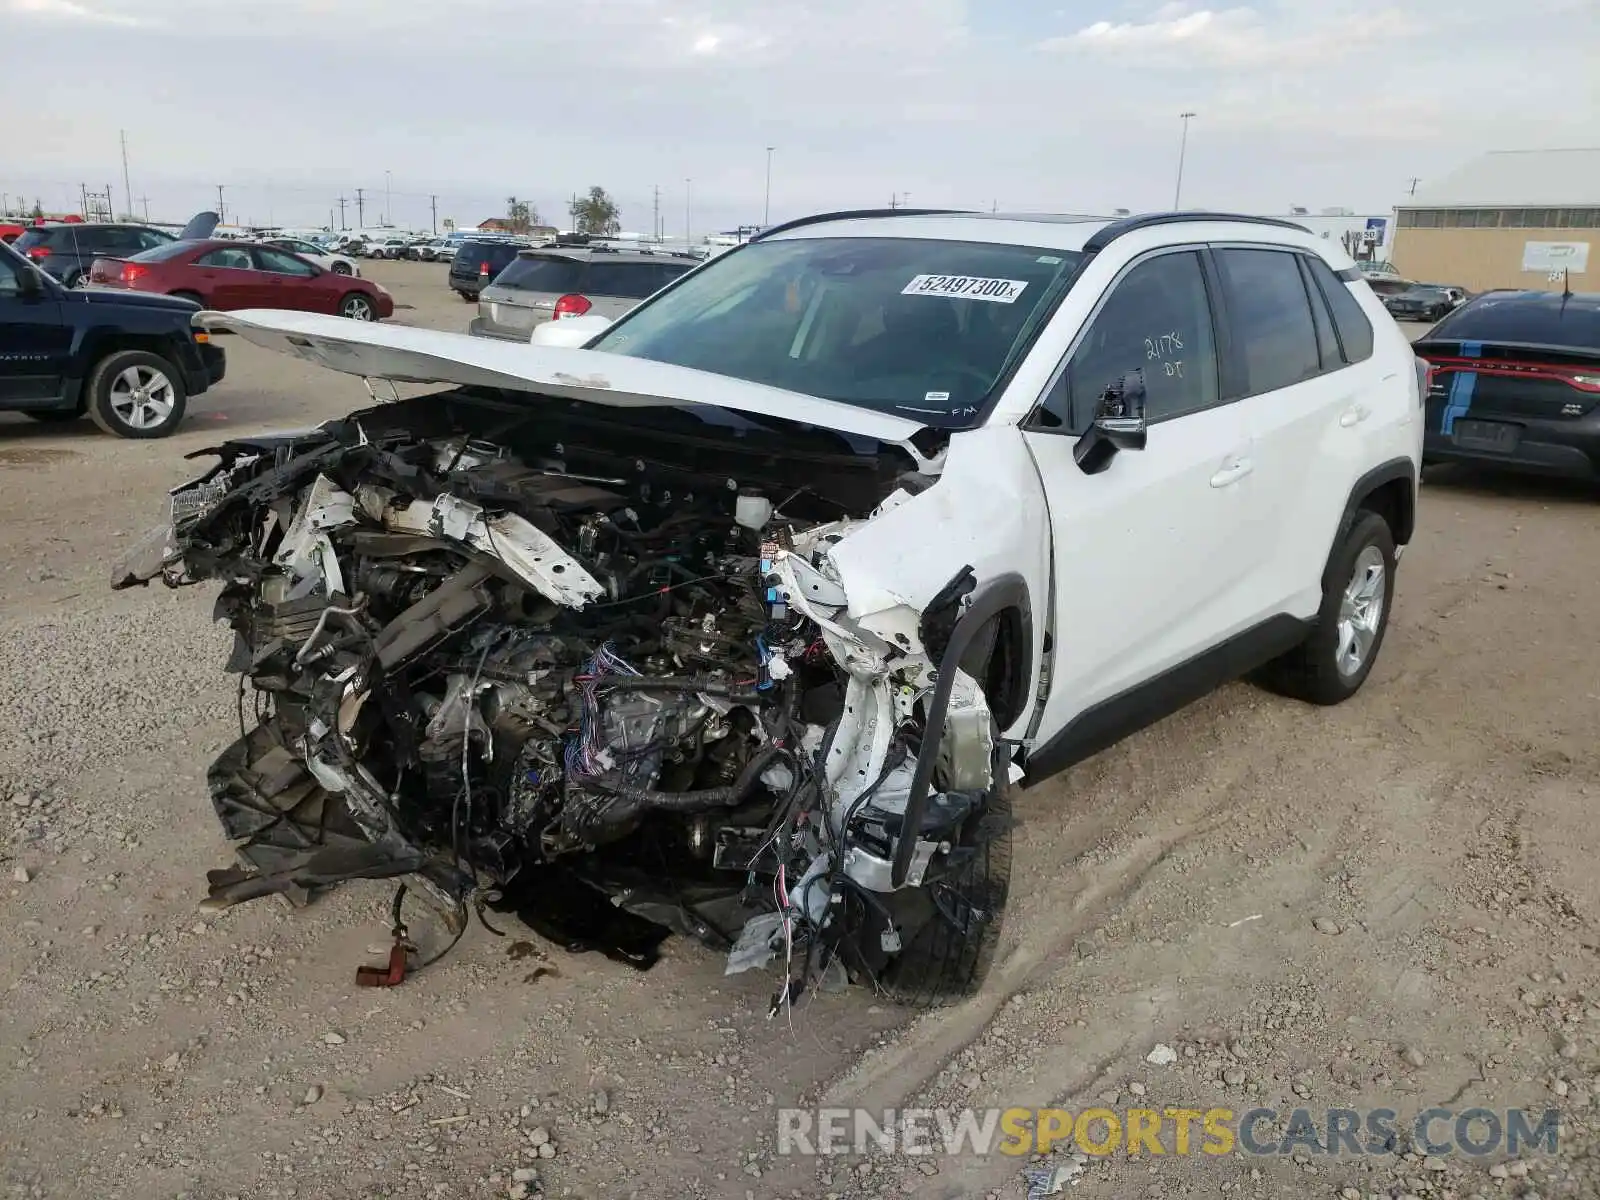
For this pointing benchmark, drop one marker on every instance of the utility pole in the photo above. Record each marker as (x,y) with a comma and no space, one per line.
(572,211)
(655,220)
(221,212)
(127,188)
(388,202)
(766,204)
(1414,181)
(361,209)
(1183,145)
(433,206)
(688,185)
(341,202)
(83,199)
(144,202)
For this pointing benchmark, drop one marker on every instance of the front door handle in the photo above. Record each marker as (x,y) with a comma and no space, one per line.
(1232,471)
(1354,416)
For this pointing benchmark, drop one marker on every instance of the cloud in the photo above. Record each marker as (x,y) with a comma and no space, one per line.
(1178,36)
(69,10)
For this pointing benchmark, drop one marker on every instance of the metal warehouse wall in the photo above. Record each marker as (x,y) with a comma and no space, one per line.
(1478,259)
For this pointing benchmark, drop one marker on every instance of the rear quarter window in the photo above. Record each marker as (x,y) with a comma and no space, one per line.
(1355,331)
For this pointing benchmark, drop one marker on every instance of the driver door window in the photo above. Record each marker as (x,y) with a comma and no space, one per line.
(1157,320)
(279,263)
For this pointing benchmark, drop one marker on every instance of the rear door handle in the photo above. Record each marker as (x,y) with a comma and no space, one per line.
(1232,471)
(1354,415)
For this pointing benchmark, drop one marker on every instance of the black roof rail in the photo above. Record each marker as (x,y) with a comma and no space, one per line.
(858,214)
(1104,237)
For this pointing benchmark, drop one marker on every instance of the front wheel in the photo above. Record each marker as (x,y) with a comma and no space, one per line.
(358,308)
(340,268)
(1357,590)
(136,394)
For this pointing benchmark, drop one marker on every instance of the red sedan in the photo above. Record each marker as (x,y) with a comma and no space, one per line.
(225,275)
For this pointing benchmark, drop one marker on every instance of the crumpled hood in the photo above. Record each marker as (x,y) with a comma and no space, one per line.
(407,355)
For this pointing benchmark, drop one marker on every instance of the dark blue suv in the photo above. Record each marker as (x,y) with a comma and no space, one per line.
(129,360)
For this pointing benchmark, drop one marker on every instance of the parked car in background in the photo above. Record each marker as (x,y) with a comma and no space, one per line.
(227,274)
(549,284)
(1516,383)
(438,250)
(1420,302)
(65,251)
(129,361)
(339,264)
(477,262)
(389,247)
(1387,286)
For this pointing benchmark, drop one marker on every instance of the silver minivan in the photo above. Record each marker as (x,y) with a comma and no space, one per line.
(551,283)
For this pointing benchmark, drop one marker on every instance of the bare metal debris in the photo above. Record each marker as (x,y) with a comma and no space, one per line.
(599,670)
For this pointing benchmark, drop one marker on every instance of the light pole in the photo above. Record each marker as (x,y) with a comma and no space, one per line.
(687,184)
(766,204)
(1183,145)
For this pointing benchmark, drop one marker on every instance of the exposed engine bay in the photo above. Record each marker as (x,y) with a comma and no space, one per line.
(598,670)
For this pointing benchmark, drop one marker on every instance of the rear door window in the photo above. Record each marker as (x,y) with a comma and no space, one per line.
(554,274)
(1355,331)
(629,280)
(1271,317)
(230,258)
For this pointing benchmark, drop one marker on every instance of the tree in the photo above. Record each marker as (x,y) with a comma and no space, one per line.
(521,215)
(596,214)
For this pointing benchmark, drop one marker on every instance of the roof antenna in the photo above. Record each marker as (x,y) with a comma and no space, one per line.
(1566,282)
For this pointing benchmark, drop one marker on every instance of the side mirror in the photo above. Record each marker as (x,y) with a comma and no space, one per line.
(1118,424)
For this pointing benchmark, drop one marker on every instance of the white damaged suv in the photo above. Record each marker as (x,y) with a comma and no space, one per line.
(742,618)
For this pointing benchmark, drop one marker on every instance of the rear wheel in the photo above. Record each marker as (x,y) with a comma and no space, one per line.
(136,394)
(1357,589)
(191,296)
(73,279)
(357,307)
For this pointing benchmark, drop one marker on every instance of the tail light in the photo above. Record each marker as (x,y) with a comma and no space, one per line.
(483,268)
(571,306)
(38,251)
(132,272)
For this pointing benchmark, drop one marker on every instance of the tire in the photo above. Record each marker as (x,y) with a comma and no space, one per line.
(72,279)
(467,296)
(340,268)
(1323,669)
(358,306)
(115,387)
(194,296)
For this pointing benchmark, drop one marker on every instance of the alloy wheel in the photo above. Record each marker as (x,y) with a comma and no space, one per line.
(1360,612)
(142,397)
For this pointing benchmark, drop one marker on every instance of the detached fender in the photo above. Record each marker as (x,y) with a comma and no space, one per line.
(987,511)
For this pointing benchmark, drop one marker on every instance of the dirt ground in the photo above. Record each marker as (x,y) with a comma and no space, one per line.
(1393,903)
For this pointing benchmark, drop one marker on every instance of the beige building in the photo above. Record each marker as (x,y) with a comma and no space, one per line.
(1509,218)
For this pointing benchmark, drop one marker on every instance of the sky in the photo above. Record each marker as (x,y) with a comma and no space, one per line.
(1020,105)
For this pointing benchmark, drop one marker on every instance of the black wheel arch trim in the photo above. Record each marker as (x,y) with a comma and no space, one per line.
(1386,473)
(991,598)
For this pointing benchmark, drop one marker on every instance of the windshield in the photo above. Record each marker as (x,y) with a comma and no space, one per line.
(911,326)
(1423,293)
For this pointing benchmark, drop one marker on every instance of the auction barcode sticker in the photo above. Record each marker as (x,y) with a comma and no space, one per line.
(966,287)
